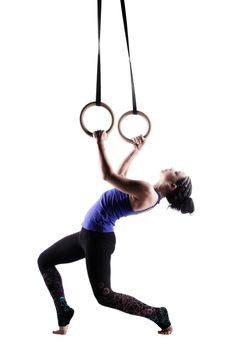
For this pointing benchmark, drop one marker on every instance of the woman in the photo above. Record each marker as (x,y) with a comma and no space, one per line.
(96,240)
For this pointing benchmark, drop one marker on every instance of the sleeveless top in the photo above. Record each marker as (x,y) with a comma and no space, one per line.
(111,206)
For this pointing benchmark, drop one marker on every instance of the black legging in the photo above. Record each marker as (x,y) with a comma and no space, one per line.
(97,248)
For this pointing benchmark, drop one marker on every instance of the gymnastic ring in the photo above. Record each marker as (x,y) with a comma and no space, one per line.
(132,113)
(91,104)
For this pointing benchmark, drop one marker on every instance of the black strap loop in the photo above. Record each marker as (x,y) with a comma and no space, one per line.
(127,42)
(98,79)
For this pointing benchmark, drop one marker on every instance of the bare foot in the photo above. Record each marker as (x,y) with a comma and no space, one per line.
(166,331)
(62,330)
(64,318)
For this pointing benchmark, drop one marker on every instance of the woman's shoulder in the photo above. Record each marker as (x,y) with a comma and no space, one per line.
(145,201)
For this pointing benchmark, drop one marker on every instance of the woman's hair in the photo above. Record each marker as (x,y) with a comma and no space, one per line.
(179,198)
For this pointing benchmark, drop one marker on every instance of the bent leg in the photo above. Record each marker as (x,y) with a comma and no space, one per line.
(66,250)
(98,261)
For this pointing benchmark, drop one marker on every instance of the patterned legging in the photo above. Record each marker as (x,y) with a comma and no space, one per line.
(97,248)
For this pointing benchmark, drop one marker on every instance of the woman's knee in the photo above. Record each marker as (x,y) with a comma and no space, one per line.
(42,261)
(103,296)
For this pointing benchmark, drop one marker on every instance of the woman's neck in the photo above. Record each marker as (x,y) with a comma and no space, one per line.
(160,189)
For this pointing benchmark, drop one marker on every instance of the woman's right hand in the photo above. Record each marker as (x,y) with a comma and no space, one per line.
(100,135)
(138,142)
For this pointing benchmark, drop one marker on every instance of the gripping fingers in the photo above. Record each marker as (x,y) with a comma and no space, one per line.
(139,141)
(100,135)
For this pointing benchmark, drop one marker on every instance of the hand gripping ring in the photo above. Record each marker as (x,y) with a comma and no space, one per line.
(131,113)
(91,104)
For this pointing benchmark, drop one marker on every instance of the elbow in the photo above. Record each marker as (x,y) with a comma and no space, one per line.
(107,175)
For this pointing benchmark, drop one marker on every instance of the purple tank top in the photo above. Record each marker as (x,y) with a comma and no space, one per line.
(111,206)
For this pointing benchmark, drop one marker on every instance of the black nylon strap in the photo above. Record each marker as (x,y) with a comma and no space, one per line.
(98,79)
(130,65)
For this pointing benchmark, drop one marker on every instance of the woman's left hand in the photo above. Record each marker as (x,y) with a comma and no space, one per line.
(100,135)
(139,142)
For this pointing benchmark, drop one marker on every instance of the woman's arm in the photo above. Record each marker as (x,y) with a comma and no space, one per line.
(139,189)
(138,143)
(106,168)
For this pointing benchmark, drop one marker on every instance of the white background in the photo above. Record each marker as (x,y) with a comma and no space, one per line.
(182,61)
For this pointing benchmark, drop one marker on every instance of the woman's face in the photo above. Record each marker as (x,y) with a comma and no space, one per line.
(172,175)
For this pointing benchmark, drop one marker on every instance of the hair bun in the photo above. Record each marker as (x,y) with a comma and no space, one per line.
(187,206)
